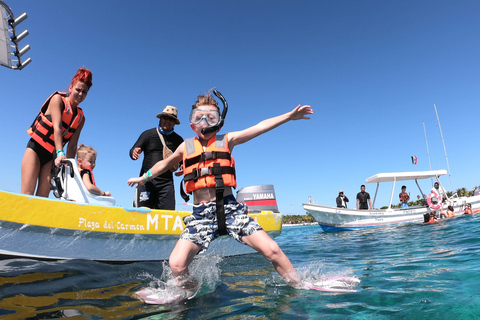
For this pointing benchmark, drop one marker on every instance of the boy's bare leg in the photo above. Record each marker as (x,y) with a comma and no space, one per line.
(180,258)
(262,242)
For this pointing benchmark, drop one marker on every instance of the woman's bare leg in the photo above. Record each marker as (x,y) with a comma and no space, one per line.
(30,171)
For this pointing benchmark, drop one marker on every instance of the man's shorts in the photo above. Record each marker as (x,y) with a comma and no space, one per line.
(201,227)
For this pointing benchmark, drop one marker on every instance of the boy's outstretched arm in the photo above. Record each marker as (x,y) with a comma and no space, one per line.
(159,167)
(239,137)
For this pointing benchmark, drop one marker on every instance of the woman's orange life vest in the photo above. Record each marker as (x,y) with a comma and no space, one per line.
(468,210)
(212,167)
(41,129)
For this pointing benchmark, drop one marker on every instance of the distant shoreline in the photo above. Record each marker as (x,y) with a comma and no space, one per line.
(300,224)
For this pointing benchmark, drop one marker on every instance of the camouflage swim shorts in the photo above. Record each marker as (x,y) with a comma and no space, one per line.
(201,226)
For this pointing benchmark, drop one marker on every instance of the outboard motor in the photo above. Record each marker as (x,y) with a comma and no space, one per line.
(258,198)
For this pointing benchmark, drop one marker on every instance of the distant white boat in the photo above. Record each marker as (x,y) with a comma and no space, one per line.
(338,219)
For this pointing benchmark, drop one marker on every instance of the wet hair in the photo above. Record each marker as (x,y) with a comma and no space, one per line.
(362,186)
(426,217)
(83,75)
(450,208)
(404,187)
(206,100)
(83,151)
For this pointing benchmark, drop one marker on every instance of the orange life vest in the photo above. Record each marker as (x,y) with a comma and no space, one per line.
(404,197)
(41,129)
(468,210)
(88,170)
(212,167)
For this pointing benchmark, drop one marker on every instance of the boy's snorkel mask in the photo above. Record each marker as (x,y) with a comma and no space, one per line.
(219,125)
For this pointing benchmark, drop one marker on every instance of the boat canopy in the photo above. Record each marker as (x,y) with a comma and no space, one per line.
(400,176)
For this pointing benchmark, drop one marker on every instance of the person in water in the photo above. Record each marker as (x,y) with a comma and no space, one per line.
(216,210)
(432,217)
(86,158)
(450,211)
(59,121)
(468,208)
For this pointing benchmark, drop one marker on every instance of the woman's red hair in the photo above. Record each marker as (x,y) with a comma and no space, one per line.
(84,75)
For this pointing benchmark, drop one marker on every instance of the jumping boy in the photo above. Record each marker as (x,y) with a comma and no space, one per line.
(209,173)
(86,158)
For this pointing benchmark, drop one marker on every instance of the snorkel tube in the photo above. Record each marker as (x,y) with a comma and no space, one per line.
(222,117)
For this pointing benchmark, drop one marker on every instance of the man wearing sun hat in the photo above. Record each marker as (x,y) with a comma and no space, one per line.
(156,144)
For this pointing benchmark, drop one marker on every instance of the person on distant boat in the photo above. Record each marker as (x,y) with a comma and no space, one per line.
(59,121)
(440,191)
(468,208)
(341,200)
(209,173)
(441,195)
(363,199)
(86,158)
(404,197)
(157,144)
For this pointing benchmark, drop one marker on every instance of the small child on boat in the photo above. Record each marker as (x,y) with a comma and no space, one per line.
(86,157)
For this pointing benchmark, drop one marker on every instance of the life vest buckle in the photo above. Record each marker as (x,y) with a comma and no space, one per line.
(209,156)
(198,173)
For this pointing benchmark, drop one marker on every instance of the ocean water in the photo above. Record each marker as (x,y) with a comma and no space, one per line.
(406,272)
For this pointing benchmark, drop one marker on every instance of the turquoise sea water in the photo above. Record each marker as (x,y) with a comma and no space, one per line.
(406,272)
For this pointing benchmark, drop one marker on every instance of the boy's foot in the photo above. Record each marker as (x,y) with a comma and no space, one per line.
(157,296)
(335,284)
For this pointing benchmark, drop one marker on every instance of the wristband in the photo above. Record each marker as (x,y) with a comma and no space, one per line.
(145,177)
(149,173)
(60,152)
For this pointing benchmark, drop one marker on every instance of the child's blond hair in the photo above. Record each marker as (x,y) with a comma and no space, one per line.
(206,100)
(83,151)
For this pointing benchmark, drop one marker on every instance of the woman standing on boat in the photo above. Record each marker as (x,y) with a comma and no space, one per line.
(59,121)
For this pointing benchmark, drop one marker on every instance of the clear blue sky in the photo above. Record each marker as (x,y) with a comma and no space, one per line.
(372,71)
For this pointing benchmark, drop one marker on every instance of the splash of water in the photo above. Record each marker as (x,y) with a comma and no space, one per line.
(204,272)
(316,274)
